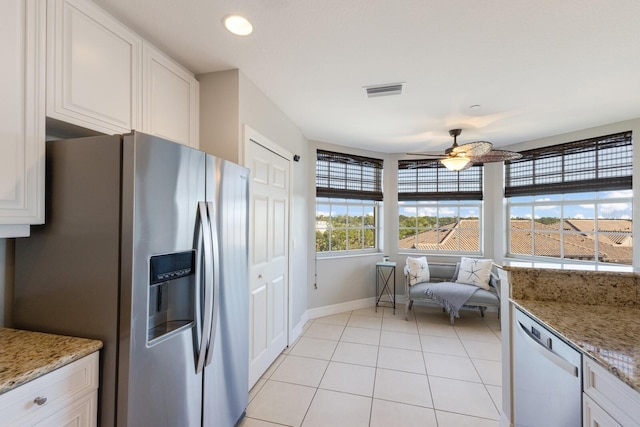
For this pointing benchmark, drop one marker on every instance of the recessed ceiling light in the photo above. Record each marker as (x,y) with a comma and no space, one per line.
(238,25)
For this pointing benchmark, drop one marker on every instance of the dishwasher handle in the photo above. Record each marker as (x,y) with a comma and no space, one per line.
(551,356)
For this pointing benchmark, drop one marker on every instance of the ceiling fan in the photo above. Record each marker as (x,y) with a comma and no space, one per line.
(463,156)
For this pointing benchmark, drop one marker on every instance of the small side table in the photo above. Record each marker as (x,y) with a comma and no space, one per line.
(385,272)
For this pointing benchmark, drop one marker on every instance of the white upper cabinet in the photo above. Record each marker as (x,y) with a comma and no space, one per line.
(22,132)
(170,99)
(104,77)
(93,69)
(72,61)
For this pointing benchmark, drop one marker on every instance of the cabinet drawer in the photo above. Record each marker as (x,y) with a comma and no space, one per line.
(82,412)
(616,398)
(58,388)
(595,416)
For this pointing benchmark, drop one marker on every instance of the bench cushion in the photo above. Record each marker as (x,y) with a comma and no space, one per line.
(480,297)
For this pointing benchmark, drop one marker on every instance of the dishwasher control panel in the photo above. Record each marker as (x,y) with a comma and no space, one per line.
(546,341)
(535,332)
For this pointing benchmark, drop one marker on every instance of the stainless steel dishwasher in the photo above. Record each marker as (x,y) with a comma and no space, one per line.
(547,377)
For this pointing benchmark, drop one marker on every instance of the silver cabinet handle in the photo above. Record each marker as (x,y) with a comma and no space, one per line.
(259,276)
(40,400)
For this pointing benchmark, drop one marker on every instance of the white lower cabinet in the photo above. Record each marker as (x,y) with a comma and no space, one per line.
(67,396)
(22,144)
(594,415)
(607,401)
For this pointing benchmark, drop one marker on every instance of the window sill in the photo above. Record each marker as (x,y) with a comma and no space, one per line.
(335,255)
(563,265)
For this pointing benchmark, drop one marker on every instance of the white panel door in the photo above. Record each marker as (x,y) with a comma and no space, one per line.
(268,257)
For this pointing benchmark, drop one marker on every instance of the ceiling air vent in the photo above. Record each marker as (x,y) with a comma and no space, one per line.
(384,90)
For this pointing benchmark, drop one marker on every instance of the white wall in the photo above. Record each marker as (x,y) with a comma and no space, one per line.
(228,101)
(262,115)
(342,279)
(219,114)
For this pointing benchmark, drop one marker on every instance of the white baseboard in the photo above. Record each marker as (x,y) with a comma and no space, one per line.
(299,328)
(328,310)
(504,420)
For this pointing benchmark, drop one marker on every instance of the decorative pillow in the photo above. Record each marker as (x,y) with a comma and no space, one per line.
(418,270)
(475,272)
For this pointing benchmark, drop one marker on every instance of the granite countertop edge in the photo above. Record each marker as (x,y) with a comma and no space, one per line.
(28,355)
(632,381)
(570,269)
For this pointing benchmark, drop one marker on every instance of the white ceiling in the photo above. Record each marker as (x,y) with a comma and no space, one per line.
(536,68)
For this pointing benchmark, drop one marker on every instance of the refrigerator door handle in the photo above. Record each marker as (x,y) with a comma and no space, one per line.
(198,245)
(213,223)
(207,275)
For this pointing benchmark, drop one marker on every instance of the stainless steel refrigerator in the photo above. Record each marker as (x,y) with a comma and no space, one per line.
(145,248)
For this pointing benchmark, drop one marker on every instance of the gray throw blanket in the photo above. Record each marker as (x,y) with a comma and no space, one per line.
(452,296)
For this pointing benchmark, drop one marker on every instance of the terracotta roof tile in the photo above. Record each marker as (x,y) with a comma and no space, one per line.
(578,242)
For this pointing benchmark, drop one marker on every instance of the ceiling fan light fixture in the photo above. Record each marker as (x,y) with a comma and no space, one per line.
(460,157)
(455,163)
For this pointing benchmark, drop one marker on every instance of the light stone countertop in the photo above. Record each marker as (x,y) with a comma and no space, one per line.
(609,335)
(26,355)
(614,289)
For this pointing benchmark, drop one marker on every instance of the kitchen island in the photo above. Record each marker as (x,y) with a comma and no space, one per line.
(596,312)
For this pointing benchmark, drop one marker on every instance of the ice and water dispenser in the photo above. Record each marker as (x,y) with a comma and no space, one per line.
(171,294)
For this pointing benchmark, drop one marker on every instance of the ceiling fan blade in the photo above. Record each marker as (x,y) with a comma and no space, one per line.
(472,149)
(430,155)
(496,156)
(467,166)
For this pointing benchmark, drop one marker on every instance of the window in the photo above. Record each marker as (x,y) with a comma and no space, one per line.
(573,201)
(439,210)
(348,195)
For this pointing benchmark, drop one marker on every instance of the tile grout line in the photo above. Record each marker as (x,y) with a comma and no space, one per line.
(375,371)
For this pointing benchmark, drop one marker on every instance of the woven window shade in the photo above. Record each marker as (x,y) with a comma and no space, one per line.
(348,176)
(430,180)
(597,164)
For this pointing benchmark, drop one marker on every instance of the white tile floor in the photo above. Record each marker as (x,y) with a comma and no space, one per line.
(369,369)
